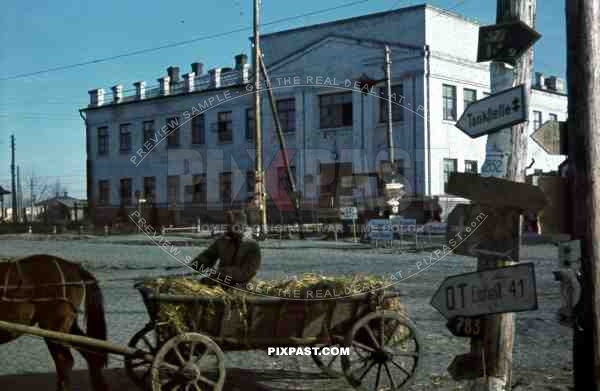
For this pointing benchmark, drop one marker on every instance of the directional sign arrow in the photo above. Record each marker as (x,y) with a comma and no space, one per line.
(552,137)
(505,42)
(506,289)
(496,192)
(495,112)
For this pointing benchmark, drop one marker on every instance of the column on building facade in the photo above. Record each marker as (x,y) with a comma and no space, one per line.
(117,93)
(96,97)
(188,80)
(164,85)
(215,78)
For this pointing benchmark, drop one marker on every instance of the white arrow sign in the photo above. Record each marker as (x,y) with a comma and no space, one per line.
(495,112)
(507,289)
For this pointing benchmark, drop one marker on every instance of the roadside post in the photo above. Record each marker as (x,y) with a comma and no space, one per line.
(489,230)
(509,41)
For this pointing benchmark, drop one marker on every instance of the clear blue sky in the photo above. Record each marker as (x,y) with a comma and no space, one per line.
(42,110)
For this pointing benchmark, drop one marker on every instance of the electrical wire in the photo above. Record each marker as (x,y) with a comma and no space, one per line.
(179,43)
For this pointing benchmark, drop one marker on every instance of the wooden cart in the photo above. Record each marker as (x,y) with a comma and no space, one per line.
(384,348)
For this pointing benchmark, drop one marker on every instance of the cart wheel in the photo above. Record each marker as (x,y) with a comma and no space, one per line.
(329,365)
(188,361)
(137,368)
(384,352)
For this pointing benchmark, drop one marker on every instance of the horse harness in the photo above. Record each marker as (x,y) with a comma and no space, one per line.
(24,284)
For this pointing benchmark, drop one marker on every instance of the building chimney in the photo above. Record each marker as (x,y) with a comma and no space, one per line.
(197,68)
(188,81)
(164,86)
(96,97)
(117,93)
(539,80)
(215,78)
(173,73)
(240,61)
(140,90)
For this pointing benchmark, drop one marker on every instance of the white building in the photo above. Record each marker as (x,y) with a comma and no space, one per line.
(331,128)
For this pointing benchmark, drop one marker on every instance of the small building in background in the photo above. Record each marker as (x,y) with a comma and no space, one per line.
(61,209)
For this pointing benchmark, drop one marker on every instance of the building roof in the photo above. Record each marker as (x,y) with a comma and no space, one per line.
(3,191)
(369,16)
(67,201)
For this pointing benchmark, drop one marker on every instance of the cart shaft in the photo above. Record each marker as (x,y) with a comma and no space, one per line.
(74,339)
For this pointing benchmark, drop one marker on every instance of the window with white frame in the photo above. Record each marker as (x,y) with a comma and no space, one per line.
(103,145)
(124,138)
(286,109)
(450,166)
(449,102)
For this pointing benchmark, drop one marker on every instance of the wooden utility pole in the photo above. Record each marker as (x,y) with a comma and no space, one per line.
(583,60)
(258,163)
(13,178)
(282,146)
(509,146)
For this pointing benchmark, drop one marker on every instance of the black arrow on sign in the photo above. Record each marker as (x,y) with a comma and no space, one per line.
(505,42)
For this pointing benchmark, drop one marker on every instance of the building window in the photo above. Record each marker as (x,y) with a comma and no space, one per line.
(199,188)
(126,194)
(172,189)
(148,131)
(250,182)
(103,140)
(198,129)
(250,124)
(285,182)
(225,126)
(225,187)
(335,110)
(396,98)
(124,138)
(553,117)
(449,101)
(471,166)
(286,109)
(173,132)
(450,166)
(104,192)
(149,187)
(537,119)
(469,96)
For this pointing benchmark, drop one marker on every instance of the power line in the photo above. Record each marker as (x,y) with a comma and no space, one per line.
(176,44)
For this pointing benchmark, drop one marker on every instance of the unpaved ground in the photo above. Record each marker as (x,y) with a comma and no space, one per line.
(542,357)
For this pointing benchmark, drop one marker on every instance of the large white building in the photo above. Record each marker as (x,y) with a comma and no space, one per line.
(328,82)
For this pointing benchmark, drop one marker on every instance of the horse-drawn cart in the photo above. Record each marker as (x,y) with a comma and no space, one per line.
(383,346)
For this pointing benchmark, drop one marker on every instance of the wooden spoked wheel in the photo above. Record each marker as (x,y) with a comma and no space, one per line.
(188,362)
(384,352)
(329,365)
(138,369)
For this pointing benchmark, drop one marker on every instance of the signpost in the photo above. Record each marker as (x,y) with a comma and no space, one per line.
(492,291)
(505,42)
(552,137)
(495,112)
(350,213)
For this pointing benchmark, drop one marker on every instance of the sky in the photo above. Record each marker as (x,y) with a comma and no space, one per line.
(42,111)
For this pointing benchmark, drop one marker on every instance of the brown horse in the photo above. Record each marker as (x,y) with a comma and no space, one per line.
(48,291)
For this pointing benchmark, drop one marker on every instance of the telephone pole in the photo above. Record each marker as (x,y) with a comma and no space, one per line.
(19,195)
(31,196)
(258,163)
(13,179)
(583,60)
(510,146)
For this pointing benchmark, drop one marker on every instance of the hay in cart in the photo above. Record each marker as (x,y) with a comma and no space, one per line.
(229,308)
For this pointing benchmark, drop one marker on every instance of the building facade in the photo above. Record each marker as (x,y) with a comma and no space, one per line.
(186,147)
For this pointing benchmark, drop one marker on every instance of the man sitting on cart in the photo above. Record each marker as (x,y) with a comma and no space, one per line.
(238,255)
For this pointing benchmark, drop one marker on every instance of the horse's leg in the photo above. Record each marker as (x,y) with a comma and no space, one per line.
(95,362)
(58,317)
(63,359)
